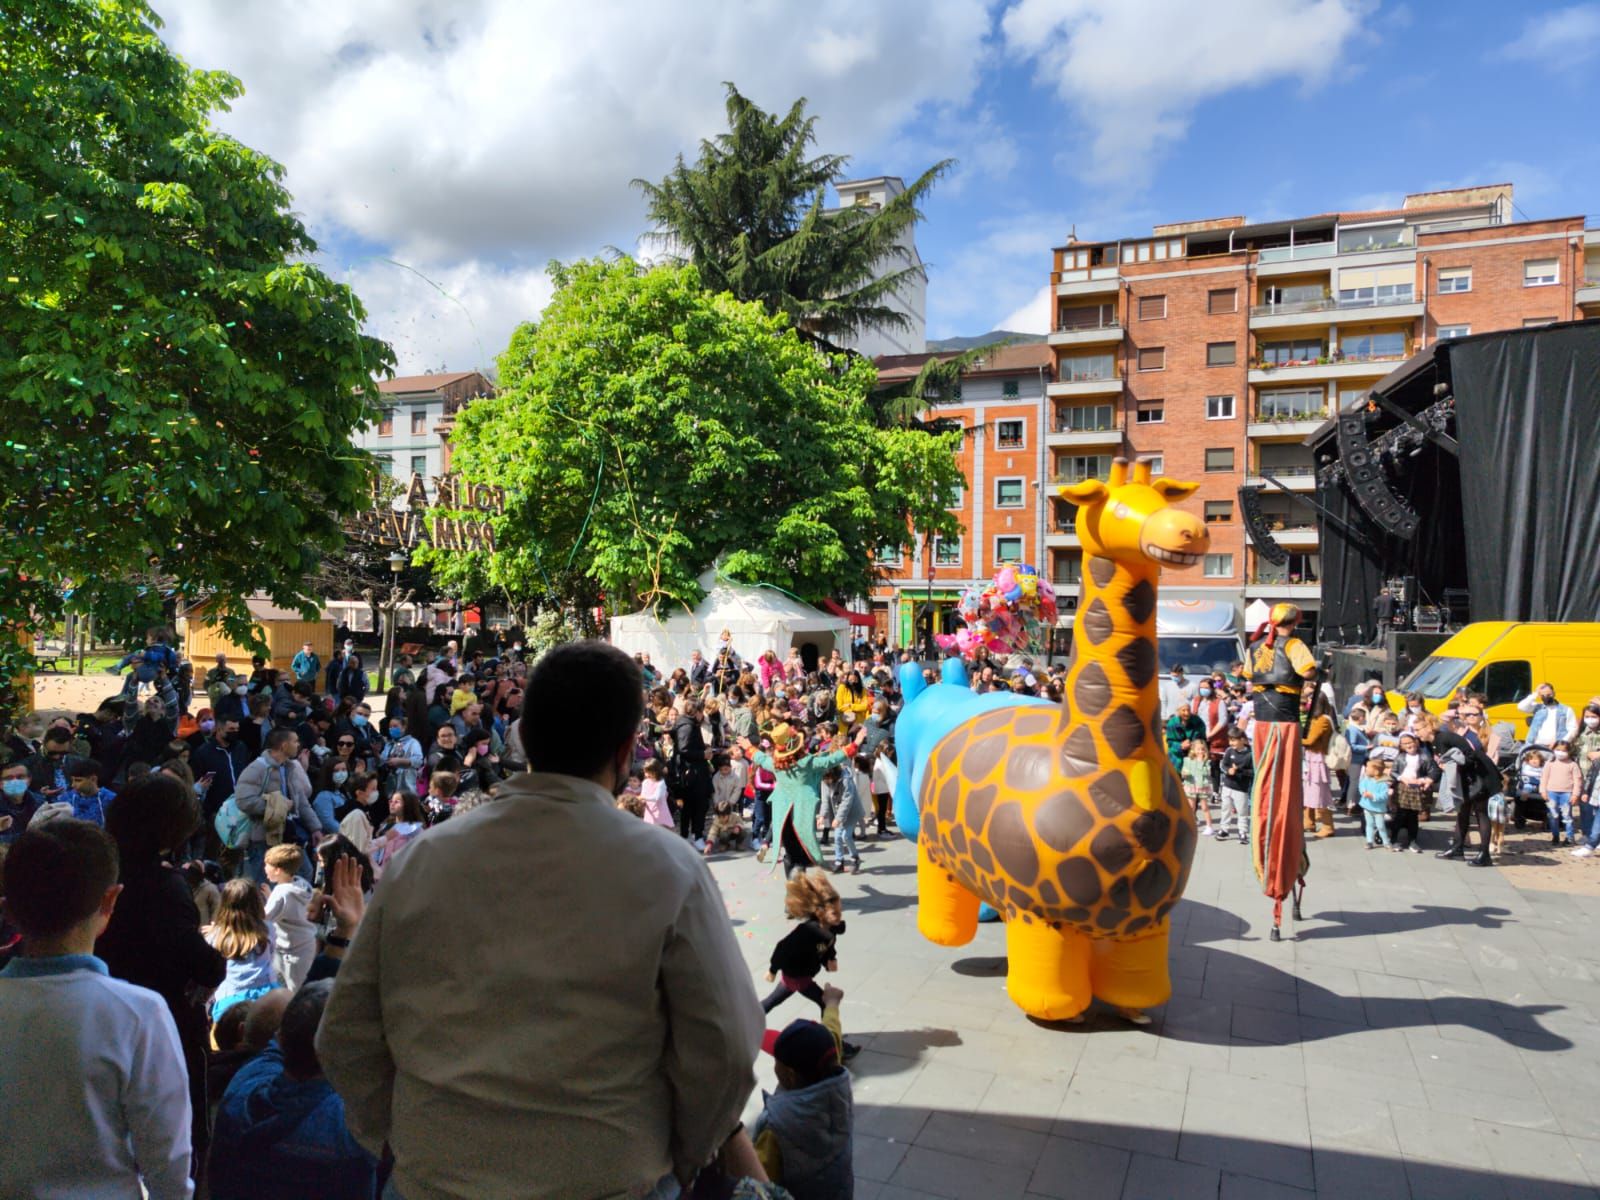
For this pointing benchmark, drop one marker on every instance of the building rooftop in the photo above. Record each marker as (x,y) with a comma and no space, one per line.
(1005,360)
(422,383)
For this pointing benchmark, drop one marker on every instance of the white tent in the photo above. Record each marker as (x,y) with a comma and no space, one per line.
(760,619)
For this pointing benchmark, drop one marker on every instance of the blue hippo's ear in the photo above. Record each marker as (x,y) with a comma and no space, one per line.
(912,684)
(954,671)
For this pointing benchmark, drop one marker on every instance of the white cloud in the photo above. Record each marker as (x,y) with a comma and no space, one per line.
(1134,71)
(1559,40)
(995,272)
(1032,317)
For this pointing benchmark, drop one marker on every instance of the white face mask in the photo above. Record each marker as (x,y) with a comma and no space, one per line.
(1592,722)
(1561,756)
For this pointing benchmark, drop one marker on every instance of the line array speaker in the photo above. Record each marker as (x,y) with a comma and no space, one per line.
(1266,545)
(1366,479)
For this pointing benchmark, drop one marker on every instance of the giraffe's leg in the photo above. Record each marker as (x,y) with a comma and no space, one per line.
(1048,969)
(1133,974)
(947,914)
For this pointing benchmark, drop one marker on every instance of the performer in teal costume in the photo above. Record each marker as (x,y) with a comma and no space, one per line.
(798,794)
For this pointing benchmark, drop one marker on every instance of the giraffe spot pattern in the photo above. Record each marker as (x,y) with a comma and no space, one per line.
(1111,795)
(1120,893)
(1140,601)
(1150,830)
(1138,659)
(1032,724)
(949,749)
(1012,845)
(1096,622)
(1061,822)
(1081,882)
(979,802)
(1109,918)
(981,858)
(1152,884)
(1135,925)
(995,722)
(1111,849)
(1078,753)
(982,757)
(1092,690)
(949,797)
(1048,893)
(1029,768)
(1101,570)
(1124,732)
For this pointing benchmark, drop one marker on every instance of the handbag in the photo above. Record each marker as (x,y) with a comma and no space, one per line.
(1338,755)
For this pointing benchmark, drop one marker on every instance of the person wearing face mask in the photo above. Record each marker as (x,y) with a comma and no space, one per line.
(1551,720)
(18,802)
(401,756)
(1560,785)
(1586,742)
(1212,710)
(234,703)
(656,956)
(221,758)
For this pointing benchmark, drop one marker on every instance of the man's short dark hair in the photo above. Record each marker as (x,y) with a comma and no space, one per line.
(85,768)
(297,1034)
(56,735)
(56,875)
(152,816)
(279,738)
(583,703)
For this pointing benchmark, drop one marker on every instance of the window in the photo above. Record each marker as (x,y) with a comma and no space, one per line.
(1007,549)
(1152,308)
(1453,279)
(1151,412)
(1086,316)
(1008,493)
(1279,295)
(1292,404)
(1085,418)
(1067,569)
(1219,408)
(1153,359)
(386,423)
(1219,566)
(1008,435)
(1087,368)
(1220,354)
(1503,682)
(419,464)
(890,556)
(419,423)
(1075,468)
(1219,458)
(1303,350)
(957,496)
(1158,462)
(1446,332)
(1361,346)
(1540,272)
(947,553)
(1379,285)
(1219,512)
(1010,387)
(1535,322)
(1222,300)
(1374,237)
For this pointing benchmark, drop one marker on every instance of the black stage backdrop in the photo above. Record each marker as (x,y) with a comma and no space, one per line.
(1528,407)
(1516,519)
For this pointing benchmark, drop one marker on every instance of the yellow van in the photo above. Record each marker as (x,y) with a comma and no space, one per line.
(1507,660)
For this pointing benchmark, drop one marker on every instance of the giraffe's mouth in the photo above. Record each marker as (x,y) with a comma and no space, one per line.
(1173,558)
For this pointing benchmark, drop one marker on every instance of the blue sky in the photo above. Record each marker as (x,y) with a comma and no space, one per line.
(444,150)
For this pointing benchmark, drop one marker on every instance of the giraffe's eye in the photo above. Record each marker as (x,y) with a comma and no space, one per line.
(1120,512)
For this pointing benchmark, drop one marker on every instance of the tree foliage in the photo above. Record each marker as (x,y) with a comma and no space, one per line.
(750,215)
(179,383)
(646,429)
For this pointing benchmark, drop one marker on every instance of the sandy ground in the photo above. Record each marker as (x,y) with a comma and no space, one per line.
(73,694)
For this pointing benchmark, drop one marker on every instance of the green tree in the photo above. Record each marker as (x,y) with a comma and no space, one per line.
(750,215)
(179,383)
(646,429)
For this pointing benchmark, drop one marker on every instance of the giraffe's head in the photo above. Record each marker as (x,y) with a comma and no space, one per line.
(1130,518)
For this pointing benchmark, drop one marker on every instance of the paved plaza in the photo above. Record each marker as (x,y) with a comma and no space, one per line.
(1428,1032)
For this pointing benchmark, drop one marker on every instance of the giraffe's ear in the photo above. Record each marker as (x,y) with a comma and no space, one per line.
(1088,491)
(1171,489)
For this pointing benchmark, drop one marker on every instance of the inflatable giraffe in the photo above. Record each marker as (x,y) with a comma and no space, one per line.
(1071,822)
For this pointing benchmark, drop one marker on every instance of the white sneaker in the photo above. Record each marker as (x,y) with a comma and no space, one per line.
(1208,832)
(1582,852)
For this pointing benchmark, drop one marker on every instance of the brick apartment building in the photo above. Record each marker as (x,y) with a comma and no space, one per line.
(1001,406)
(1218,345)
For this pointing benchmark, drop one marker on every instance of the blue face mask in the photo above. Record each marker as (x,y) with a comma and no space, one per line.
(358,721)
(15,787)
(395,731)
(340,776)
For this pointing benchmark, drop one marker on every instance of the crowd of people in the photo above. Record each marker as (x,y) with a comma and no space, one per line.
(296,925)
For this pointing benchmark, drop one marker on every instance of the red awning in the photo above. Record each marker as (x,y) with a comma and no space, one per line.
(855,618)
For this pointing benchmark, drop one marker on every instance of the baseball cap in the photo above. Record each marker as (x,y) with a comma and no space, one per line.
(803,1045)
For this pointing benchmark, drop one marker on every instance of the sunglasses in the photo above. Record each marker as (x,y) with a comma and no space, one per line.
(346,743)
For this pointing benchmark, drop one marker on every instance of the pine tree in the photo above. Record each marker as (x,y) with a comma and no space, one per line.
(750,215)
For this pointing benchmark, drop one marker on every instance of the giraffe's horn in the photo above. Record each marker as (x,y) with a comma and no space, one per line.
(1119,472)
(1141,471)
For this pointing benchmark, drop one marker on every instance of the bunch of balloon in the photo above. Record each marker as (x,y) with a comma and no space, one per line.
(1007,616)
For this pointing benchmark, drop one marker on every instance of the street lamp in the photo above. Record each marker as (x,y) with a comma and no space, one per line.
(390,612)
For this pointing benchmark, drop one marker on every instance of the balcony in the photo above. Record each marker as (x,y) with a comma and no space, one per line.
(1338,366)
(1589,289)
(1296,260)
(1062,538)
(1330,310)
(1090,385)
(1259,589)
(1285,426)
(1087,333)
(1295,478)
(1064,436)
(1088,281)
(1294,537)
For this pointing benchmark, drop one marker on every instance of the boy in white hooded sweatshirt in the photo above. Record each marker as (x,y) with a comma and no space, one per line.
(295,938)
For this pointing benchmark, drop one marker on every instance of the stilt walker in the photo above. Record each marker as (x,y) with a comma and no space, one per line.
(1277,668)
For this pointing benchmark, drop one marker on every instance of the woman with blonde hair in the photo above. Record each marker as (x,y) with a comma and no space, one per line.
(242,934)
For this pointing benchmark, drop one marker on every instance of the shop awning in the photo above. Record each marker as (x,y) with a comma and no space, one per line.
(839,610)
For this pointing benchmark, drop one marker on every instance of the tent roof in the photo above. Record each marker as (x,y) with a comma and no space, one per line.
(737,607)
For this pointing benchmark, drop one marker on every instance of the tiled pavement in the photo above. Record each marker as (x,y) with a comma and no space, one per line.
(1429,1031)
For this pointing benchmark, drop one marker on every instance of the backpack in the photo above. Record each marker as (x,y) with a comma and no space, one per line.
(1338,755)
(232,825)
